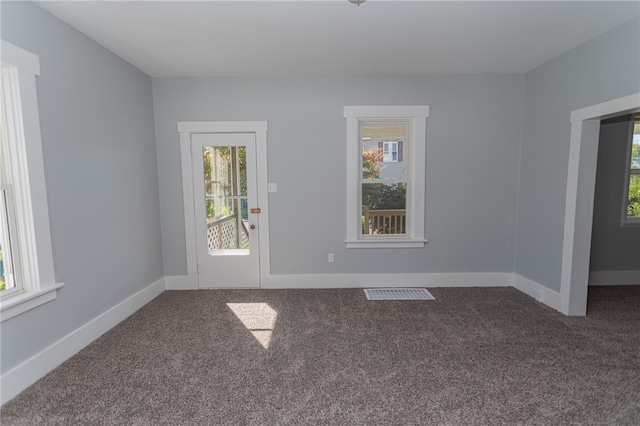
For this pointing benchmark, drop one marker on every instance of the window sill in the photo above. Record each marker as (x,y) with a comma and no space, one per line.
(630,223)
(386,243)
(23,302)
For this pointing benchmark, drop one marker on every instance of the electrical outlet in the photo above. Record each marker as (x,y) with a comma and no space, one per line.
(272,187)
(330,258)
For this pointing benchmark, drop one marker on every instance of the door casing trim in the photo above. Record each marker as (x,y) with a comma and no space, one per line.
(259,129)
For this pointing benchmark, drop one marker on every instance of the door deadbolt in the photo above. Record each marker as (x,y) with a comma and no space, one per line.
(252,226)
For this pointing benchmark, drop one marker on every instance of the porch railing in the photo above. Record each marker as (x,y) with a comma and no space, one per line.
(227,232)
(390,221)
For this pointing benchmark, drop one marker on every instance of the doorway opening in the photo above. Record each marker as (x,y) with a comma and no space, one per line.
(615,236)
(581,177)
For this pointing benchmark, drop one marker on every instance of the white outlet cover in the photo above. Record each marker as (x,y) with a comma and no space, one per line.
(272,187)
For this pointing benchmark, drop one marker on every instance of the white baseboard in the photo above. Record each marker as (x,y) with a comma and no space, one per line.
(542,294)
(539,292)
(180,282)
(490,279)
(25,374)
(498,279)
(603,278)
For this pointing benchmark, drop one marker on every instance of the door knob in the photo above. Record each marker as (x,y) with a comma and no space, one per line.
(252,227)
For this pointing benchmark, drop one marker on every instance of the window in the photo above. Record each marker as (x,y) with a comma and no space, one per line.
(26,261)
(632,190)
(391,151)
(385,176)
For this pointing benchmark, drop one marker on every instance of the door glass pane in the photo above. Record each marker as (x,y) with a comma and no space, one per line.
(225,186)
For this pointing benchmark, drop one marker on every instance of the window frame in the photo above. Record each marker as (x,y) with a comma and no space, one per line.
(415,153)
(20,69)
(629,220)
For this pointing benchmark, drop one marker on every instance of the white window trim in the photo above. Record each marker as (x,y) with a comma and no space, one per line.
(629,220)
(39,284)
(417,114)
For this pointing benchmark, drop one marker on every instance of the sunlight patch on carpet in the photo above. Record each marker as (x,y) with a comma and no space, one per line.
(398,294)
(259,318)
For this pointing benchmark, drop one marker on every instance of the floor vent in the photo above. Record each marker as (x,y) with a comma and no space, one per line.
(398,294)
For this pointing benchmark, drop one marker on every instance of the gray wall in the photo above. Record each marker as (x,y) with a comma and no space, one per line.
(473,143)
(613,247)
(101,174)
(602,69)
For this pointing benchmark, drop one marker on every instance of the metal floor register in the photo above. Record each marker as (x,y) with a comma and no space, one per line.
(398,294)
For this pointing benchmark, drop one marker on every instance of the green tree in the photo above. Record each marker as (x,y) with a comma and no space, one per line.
(380,196)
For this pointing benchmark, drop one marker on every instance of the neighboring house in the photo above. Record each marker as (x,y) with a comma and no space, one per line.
(393,165)
(497,161)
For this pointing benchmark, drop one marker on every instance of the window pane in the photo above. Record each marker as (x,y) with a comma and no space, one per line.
(635,147)
(382,147)
(384,208)
(3,284)
(7,276)
(633,197)
(6,262)
(633,207)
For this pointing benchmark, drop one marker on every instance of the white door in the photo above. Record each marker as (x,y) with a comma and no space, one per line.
(226,210)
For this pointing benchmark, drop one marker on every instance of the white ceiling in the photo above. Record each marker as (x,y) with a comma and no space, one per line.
(332,37)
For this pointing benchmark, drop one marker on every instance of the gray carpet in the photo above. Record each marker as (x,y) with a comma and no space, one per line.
(472,356)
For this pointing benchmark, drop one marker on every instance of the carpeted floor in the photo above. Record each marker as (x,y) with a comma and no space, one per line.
(305,357)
